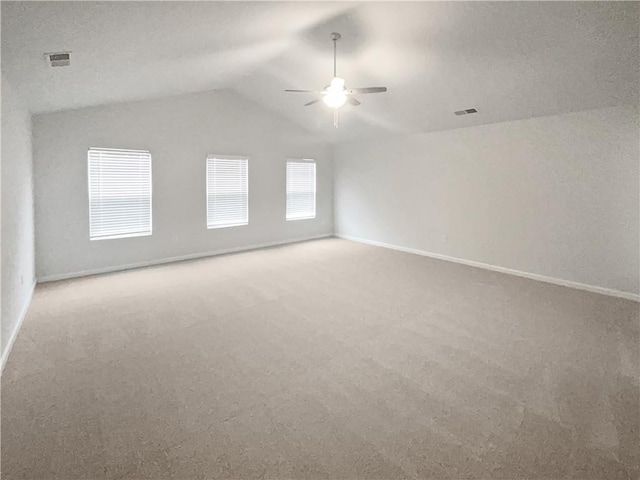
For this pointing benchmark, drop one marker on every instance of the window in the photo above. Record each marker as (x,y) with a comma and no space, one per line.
(119,193)
(227,191)
(301,189)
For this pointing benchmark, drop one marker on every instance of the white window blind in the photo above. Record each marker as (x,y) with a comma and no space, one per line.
(119,193)
(227,191)
(301,189)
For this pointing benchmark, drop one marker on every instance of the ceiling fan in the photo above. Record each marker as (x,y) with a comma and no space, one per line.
(335,95)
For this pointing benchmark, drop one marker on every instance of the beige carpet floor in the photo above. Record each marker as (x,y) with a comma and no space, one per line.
(321,360)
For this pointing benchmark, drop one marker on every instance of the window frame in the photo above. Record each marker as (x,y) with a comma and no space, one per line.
(315,187)
(144,233)
(213,157)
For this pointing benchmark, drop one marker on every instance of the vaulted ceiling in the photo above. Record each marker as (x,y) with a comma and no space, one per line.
(510,60)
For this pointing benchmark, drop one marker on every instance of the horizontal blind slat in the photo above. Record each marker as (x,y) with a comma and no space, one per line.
(227,192)
(119,193)
(301,190)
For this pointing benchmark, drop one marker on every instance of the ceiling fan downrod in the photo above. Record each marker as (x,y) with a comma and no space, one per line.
(334,38)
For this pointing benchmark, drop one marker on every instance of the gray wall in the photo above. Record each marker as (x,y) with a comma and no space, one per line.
(17,213)
(179,132)
(555,196)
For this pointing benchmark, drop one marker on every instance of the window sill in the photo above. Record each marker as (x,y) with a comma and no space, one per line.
(213,227)
(124,235)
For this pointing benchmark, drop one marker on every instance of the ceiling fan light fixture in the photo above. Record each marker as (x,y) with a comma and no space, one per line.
(337,83)
(334,94)
(334,99)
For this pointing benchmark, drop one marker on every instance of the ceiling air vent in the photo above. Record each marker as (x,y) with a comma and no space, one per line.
(467,111)
(59,59)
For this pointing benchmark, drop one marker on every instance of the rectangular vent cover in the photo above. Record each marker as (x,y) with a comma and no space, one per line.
(60,59)
(466,112)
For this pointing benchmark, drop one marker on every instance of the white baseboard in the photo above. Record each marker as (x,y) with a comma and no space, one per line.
(193,256)
(16,329)
(509,271)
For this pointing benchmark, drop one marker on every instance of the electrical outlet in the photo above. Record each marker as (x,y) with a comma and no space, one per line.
(444,237)
(21,280)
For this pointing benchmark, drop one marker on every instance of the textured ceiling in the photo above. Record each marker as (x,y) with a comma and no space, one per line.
(510,60)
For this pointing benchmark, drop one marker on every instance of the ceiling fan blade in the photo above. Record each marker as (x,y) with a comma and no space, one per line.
(353,101)
(312,102)
(303,91)
(361,91)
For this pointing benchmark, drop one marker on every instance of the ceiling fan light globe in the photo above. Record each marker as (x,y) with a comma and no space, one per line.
(334,99)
